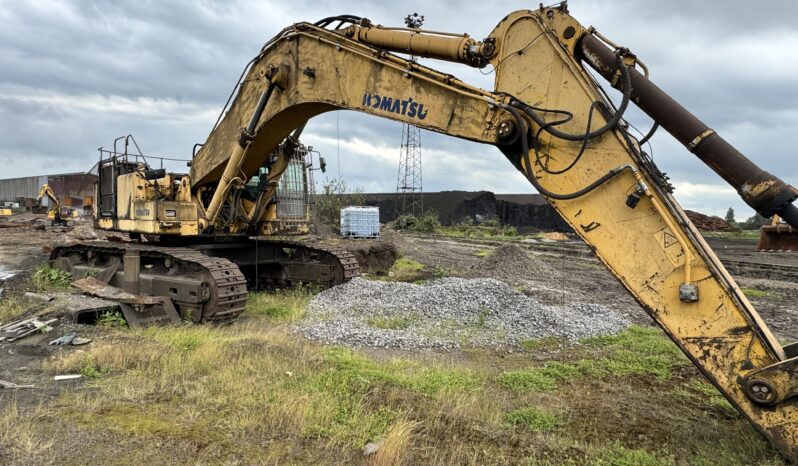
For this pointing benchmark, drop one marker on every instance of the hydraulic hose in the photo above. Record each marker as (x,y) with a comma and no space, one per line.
(523,128)
(550,127)
(649,134)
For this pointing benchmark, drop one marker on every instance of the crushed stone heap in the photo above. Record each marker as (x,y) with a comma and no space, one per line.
(446,313)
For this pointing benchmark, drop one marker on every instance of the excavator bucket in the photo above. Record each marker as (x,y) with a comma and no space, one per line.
(778,237)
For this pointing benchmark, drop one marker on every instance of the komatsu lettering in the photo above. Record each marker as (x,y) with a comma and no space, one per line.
(406,107)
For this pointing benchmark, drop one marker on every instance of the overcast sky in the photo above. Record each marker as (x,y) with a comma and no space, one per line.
(76,74)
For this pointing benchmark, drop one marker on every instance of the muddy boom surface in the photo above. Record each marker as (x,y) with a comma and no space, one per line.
(209,282)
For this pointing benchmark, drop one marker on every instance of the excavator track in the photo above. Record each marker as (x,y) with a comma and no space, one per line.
(204,288)
(344,263)
(209,282)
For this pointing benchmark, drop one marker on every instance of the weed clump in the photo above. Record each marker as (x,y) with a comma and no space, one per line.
(390,323)
(533,419)
(111,319)
(284,306)
(46,277)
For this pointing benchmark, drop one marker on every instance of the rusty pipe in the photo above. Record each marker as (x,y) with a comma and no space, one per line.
(761,190)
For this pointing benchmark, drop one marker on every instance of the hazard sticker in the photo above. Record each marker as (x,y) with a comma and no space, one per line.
(670,244)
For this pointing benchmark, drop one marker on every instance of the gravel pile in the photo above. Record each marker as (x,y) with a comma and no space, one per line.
(512,263)
(446,313)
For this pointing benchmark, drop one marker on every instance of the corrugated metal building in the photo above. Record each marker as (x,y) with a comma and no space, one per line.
(74,186)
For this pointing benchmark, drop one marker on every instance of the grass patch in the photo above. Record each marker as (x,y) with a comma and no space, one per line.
(619,455)
(635,351)
(405,264)
(394,446)
(11,308)
(483,253)
(406,270)
(285,305)
(391,323)
(19,439)
(742,234)
(540,344)
(541,379)
(756,293)
(421,378)
(469,229)
(533,419)
(708,392)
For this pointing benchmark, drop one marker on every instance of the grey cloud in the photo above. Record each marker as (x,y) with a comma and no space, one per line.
(178,60)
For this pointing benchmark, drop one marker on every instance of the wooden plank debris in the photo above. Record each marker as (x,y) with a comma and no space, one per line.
(21,329)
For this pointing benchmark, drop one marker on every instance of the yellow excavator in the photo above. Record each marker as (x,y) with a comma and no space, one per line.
(212,232)
(57,214)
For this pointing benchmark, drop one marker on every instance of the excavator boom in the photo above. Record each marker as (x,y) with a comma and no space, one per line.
(552,121)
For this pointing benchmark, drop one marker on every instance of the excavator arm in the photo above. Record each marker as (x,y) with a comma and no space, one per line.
(551,120)
(47,191)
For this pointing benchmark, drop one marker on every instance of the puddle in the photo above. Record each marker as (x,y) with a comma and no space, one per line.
(6,272)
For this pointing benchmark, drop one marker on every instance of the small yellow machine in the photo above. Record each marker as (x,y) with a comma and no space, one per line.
(547,116)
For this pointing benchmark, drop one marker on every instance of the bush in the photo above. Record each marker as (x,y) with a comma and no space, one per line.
(335,196)
(427,223)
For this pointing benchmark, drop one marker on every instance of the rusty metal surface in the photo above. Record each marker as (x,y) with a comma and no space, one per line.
(139,310)
(227,286)
(97,288)
(777,238)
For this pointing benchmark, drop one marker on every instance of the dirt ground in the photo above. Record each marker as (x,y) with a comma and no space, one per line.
(573,273)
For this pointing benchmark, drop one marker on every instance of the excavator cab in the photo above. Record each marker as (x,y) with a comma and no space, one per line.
(777,236)
(295,190)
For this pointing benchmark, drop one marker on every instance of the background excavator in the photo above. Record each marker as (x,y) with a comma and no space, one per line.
(57,214)
(210,234)
(777,235)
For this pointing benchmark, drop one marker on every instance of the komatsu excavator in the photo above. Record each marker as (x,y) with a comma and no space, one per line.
(547,115)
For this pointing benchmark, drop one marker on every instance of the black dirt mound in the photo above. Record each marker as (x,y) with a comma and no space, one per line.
(374,256)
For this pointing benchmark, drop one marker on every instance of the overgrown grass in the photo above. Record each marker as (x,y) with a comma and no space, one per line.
(19,441)
(286,305)
(253,393)
(11,307)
